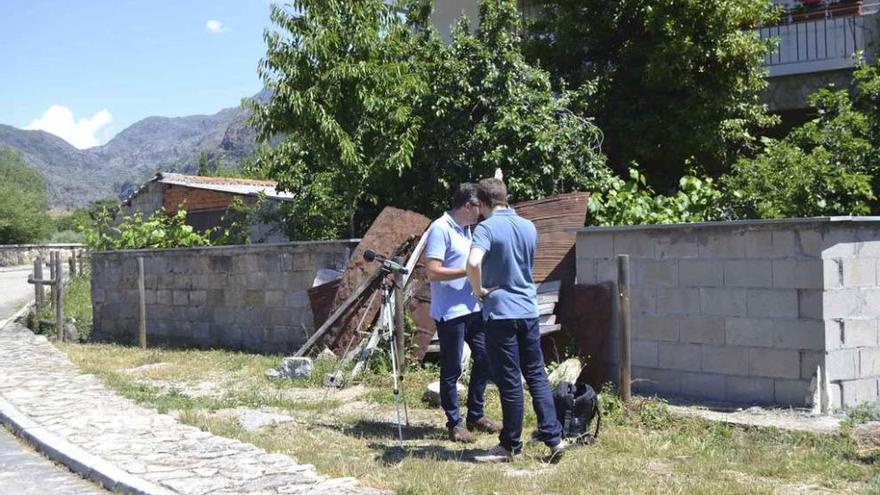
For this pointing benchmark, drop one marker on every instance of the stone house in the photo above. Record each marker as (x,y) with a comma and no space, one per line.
(206,200)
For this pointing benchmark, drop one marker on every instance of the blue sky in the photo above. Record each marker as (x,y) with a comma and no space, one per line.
(86,69)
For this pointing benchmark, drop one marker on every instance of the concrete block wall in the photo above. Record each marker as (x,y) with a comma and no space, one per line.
(744,312)
(25,254)
(250,298)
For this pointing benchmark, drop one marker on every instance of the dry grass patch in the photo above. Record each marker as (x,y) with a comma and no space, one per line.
(643,448)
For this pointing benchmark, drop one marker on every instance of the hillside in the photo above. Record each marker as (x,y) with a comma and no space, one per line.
(77,177)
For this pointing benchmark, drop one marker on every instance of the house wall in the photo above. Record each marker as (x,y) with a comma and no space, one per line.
(744,312)
(235,297)
(195,199)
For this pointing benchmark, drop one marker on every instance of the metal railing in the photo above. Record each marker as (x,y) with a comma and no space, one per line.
(828,39)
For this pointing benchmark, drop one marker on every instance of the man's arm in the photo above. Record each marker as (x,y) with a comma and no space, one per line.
(474,270)
(439,273)
(436,246)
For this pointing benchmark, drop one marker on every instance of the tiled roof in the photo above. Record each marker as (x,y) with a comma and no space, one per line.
(247,187)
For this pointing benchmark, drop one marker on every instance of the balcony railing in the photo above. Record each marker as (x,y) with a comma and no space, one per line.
(815,45)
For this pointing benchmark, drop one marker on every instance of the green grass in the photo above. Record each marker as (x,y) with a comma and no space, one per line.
(77,308)
(643,447)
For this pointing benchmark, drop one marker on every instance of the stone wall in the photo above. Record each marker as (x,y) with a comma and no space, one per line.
(745,311)
(235,297)
(25,254)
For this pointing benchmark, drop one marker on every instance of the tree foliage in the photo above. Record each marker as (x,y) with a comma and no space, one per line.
(635,202)
(23,204)
(672,83)
(156,231)
(828,166)
(376,110)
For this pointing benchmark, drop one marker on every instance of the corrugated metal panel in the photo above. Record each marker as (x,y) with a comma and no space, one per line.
(555,256)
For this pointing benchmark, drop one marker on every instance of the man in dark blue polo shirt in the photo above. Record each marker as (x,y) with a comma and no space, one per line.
(457,313)
(500,271)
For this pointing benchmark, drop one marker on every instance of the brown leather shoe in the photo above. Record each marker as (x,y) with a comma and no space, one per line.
(459,433)
(485,425)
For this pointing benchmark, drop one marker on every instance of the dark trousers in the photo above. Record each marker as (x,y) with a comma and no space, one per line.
(453,334)
(514,348)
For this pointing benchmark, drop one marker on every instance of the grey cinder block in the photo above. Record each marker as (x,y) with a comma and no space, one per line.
(791,392)
(634,244)
(748,273)
(773,303)
(842,364)
(676,301)
(798,274)
(727,360)
(656,381)
(692,273)
(702,330)
(679,356)
(855,392)
(592,245)
(774,363)
(655,274)
(751,390)
(644,353)
(657,328)
(703,385)
(723,302)
(729,245)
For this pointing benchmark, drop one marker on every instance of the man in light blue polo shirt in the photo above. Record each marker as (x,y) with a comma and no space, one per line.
(457,313)
(499,268)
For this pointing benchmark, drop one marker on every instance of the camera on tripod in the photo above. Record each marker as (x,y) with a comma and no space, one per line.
(388,265)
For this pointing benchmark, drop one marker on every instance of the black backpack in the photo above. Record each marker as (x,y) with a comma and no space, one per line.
(576,406)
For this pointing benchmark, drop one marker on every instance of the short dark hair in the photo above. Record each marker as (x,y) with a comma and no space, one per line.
(492,192)
(465,193)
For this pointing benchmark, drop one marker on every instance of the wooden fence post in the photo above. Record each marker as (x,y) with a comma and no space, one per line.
(52,276)
(142,326)
(59,298)
(625,320)
(39,292)
(72,262)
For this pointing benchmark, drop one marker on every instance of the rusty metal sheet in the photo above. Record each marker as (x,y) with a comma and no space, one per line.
(555,254)
(391,230)
(585,312)
(321,300)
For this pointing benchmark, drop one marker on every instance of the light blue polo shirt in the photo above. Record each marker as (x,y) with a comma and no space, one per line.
(509,242)
(450,243)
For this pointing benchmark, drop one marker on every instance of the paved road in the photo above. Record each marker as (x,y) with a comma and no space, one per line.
(14,290)
(23,471)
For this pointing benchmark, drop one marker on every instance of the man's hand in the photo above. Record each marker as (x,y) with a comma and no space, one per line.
(483,293)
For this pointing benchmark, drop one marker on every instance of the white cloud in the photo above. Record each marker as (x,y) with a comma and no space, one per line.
(214,26)
(82,133)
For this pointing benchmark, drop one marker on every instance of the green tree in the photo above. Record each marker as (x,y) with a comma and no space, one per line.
(376,110)
(23,204)
(672,83)
(156,231)
(828,166)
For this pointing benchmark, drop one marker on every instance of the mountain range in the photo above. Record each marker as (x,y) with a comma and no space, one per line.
(76,177)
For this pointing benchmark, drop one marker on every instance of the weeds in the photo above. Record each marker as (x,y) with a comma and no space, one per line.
(643,448)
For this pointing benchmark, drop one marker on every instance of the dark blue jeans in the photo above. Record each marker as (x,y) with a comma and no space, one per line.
(514,348)
(453,334)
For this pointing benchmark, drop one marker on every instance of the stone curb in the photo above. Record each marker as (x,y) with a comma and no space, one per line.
(74,458)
